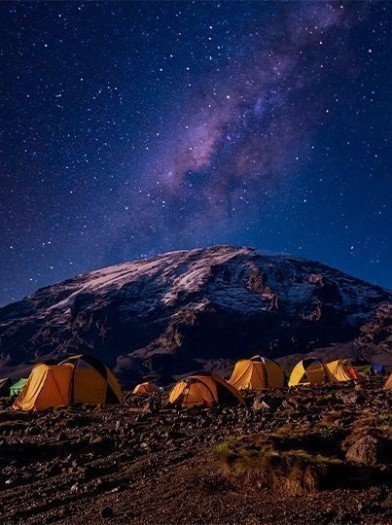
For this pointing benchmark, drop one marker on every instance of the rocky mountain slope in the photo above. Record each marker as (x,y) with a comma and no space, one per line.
(186,310)
(319,455)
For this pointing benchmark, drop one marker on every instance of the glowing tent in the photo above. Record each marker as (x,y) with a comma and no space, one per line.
(308,371)
(257,373)
(388,383)
(145,388)
(340,370)
(204,389)
(79,379)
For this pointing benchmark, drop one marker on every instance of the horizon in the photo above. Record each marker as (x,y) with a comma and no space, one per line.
(268,129)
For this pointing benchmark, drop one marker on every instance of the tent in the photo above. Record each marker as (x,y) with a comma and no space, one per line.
(257,373)
(307,371)
(79,379)
(204,389)
(362,367)
(145,388)
(5,384)
(17,387)
(93,382)
(340,370)
(378,370)
(388,384)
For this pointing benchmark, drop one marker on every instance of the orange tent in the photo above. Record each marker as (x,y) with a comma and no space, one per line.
(340,370)
(145,388)
(388,383)
(308,371)
(312,370)
(204,389)
(257,373)
(79,379)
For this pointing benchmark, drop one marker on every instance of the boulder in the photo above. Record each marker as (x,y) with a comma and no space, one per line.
(367,450)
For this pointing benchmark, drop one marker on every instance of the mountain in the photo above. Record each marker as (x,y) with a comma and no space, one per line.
(186,310)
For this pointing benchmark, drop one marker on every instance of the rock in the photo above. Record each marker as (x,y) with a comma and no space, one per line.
(259,404)
(95,440)
(367,451)
(387,503)
(61,436)
(106,512)
(352,398)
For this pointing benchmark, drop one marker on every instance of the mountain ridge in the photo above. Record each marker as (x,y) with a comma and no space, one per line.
(168,314)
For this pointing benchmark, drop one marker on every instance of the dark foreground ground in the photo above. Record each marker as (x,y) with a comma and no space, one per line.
(311,456)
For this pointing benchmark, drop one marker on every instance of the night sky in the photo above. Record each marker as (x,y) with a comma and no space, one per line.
(130,129)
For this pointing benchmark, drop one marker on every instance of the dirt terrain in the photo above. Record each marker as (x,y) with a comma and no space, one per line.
(308,455)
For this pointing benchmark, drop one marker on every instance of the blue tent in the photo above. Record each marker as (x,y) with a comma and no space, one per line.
(379,370)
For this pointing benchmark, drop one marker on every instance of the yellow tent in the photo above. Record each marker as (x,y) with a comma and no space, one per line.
(257,373)
(79,379)
(204,389)
(145,388)
(47,386)
(340,370)
(308,371)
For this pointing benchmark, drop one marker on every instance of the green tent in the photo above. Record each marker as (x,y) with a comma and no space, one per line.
(16,388)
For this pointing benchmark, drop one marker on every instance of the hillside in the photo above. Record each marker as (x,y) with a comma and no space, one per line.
(186,310)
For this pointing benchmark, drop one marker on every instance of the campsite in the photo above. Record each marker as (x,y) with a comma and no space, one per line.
(195,262)
(215,419)
(222,454)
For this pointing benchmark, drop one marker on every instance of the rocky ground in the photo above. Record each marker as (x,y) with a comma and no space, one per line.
(309,455)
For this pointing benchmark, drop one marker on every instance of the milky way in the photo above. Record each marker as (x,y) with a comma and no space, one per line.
(240,129)
(133,128)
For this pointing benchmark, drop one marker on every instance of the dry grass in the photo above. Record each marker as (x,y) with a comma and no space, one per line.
(295,471)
